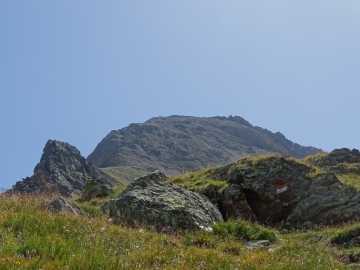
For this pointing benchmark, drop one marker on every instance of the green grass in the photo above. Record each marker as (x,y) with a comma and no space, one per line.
(310,159)
(350,179)
(243,230)
(123,174)
(197,180)
(93,207)
(35,239)
(31,238)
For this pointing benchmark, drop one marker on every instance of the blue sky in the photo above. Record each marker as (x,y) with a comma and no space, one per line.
(75,70)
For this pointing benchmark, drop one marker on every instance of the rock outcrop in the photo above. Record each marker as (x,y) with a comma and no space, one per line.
(61,205)
(279,190)
(340,161)
(182,143)
(349,239)
(234,204)
(61,170)
(148,201)
(327,201)
(260,182)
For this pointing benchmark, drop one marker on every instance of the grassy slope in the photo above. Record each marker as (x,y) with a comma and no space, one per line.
(123,174)
(34,239)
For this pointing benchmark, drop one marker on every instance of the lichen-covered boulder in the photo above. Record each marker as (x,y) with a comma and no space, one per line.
(327,201)
(149,202)
(282,190)
(272,187)
(96,189)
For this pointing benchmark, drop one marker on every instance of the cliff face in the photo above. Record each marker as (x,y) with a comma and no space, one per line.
(61,170)
(177,143)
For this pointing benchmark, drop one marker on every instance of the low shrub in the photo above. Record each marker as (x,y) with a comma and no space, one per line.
(244,230)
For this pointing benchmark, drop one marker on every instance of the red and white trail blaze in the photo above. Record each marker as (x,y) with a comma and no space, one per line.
(281,188)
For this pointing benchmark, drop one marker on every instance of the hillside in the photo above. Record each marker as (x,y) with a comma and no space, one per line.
(183,143)
(33,236)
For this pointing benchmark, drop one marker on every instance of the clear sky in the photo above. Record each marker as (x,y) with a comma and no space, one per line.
(73,70)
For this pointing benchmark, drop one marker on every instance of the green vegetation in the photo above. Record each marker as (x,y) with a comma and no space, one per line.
(197,180)
(310,159)
(93,207)
(350,179)
(31,238)
(243,230)
(123,174)
(34,239)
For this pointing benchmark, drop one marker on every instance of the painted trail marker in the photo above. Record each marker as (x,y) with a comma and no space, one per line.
(281,188)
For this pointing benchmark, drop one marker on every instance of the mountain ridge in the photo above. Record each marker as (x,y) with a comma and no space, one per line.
(187,143)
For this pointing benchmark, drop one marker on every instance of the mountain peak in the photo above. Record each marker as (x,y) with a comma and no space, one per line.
(62,169)
(177,143)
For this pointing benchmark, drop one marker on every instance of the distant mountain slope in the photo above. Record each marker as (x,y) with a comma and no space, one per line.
(177,143)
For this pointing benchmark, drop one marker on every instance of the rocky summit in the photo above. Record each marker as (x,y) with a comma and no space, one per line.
(149,202)
(62,170)
(182,143)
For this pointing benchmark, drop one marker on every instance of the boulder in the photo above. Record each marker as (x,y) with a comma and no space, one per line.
(154,176)
(149,202)
(96,189)
(327,201)
(212,194)
(234,204)
(106,207)
(280,190)
(61,170)
(61,205)
(272,186)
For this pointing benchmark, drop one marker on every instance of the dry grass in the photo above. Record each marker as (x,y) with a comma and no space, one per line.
(197,180)
(34,239)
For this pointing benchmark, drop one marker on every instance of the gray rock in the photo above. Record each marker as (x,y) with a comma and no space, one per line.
(347,240)
(61,205)
(212,194)
(261,182)
(106,207)
(165,207)
(62,170)
(154,176)
(234,204)
(250,245)
(328,202)
(281,190)
(341,161)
